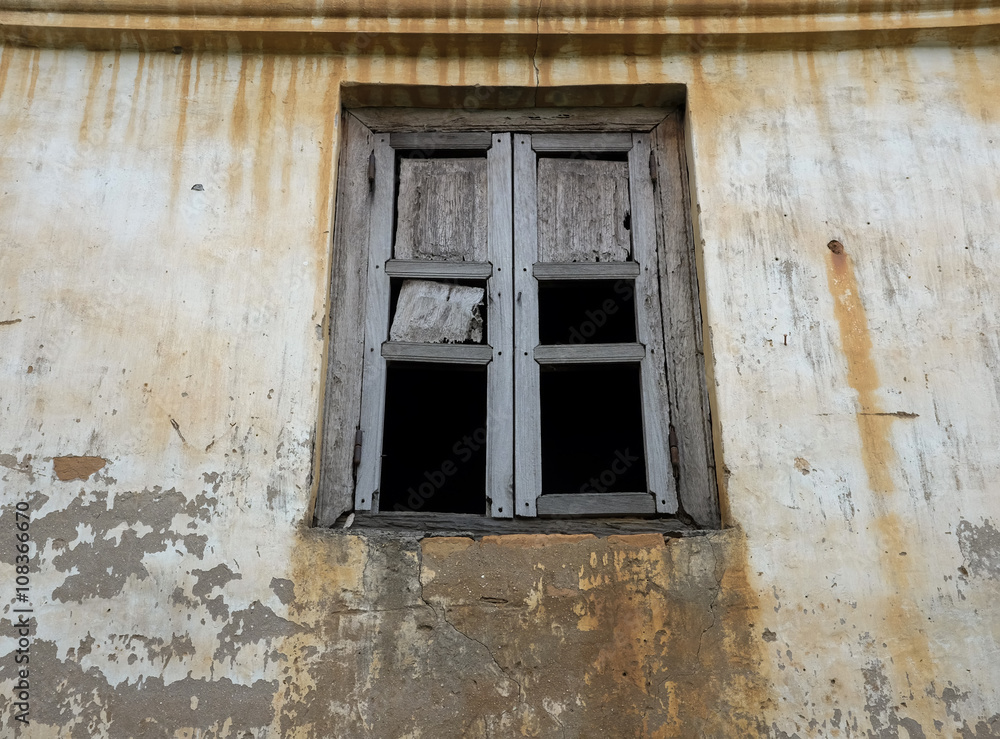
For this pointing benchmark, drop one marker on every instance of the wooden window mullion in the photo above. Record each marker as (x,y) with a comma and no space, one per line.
(527,409)
(500,323)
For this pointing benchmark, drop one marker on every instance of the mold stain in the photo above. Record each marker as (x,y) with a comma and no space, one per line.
(5,58)
(93,84)
(265,135)
(877,451)
(238,126)
(109,108)
(36,64)
(290,105)
(976,90)
(136,91)
(904,624)
(180,137)
(328,159)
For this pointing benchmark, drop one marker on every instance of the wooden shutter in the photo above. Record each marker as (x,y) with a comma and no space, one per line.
(376,323)
(471,239)
(348,283)
(587,218)
(682,327)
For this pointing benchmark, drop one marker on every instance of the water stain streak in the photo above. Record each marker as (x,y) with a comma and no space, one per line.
(873,422)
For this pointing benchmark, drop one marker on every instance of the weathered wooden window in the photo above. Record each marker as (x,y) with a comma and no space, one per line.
(515,328)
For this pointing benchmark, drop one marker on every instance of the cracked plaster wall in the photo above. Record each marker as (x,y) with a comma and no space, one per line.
(176,334)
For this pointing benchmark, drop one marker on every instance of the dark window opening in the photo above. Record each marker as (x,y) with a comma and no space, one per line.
(440,154)
(595,156)
(434,443)
(592,440)
(586,312)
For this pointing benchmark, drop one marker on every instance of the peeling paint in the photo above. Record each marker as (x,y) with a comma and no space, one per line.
(284,589)
(22,466)
(77,468)
(253,624)
(99,568)
(147,708)
(980,547)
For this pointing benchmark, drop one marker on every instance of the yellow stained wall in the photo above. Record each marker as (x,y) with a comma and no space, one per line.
(175,336)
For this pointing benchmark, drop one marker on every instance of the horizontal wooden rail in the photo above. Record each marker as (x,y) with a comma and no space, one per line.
(403,351)
(589,353)
(585,270)
(425,269)
(582,142)
(596,504)
(468,140)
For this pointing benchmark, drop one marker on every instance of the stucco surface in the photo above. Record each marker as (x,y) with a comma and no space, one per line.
(172,337)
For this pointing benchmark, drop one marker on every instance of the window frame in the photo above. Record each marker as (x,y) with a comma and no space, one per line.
(499,368)
(662,245)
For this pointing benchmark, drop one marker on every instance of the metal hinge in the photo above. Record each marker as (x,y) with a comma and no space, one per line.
(675,454)
(652,167)
(371,171)
(358,436)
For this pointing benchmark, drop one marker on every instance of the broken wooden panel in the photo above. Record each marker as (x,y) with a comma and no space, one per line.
(442,210)
(583,211)
(438,313)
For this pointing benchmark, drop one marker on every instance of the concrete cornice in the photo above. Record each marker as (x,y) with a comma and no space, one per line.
(503,9)
(494,26)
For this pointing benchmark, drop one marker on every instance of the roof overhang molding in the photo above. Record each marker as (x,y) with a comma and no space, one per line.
(495,26)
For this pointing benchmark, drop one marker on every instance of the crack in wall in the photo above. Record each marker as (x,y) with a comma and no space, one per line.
(715,595)
(520,689)
(443,615)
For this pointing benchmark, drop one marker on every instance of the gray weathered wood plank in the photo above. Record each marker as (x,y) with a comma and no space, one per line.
(348,281)
(528,120)
(552,354)
(437,312)
(656,410)
(585,270)
(429,141)
(683,328)
(596,504)
(527,422)
(583,211)
(500,307)
(429,270)
(403,351)
(442,210)
(459,524)
(376,327)
(583,142)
